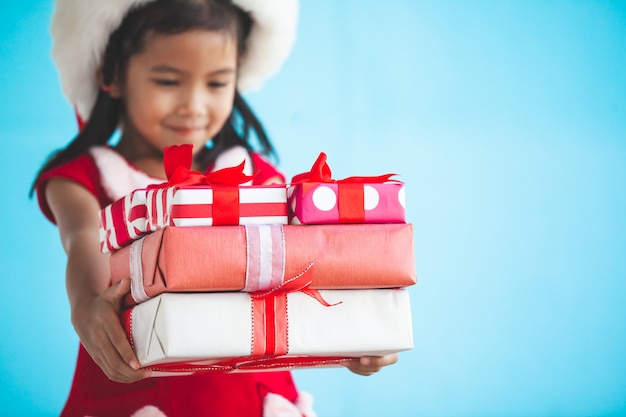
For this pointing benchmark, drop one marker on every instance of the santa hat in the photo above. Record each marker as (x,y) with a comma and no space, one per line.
(81,29)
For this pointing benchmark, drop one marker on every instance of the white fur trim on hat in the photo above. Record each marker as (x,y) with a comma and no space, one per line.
(81,29)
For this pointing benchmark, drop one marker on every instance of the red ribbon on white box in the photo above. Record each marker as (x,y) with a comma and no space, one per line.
(148,210)
(269,315)
(219,206)
(270,334)
(249,363)
(215,206)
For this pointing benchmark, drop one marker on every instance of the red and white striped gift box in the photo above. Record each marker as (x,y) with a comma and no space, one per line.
(146,211)
(123,221)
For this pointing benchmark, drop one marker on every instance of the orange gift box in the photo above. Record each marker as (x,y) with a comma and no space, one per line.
(260,257)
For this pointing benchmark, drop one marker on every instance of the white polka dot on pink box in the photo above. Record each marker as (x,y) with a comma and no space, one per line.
(315,198)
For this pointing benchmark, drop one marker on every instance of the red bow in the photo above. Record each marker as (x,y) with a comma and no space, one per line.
(300,283)
(177,160)
(320,172)
(350,190)
(269,312)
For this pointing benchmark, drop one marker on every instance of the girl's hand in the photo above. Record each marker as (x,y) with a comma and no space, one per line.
(369,365)
(97,324)
(95,306)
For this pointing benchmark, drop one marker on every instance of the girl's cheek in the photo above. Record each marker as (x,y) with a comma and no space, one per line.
(162,103)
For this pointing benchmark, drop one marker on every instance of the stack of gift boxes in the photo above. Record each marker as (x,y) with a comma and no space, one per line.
(227,277)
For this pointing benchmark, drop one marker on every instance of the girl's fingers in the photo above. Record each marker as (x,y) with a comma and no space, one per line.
(120,353)
(122,346)
(115,293)
(115,367)
(377,362)
(369,365)
(113,352)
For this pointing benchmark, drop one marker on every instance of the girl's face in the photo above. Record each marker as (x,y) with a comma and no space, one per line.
(178,90)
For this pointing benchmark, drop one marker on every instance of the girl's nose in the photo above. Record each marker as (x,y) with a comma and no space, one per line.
(194,102)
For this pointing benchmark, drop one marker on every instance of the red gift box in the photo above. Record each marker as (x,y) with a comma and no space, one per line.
(259,257)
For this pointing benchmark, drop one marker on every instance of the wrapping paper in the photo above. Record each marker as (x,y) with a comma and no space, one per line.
(295,328)
(259,257)
(123,221)
(316,198)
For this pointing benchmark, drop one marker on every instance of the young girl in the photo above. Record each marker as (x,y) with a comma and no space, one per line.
(163,72)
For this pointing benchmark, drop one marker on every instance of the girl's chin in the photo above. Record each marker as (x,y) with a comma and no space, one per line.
(187,134)
(196,140)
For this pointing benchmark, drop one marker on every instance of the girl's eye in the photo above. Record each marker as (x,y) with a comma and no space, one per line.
(217,84)
(165,82)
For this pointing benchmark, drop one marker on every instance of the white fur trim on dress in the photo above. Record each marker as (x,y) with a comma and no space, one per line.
(117,176)
(148,411)
(275,405)
(81,29)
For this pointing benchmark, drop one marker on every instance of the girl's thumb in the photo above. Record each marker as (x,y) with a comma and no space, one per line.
(122,288)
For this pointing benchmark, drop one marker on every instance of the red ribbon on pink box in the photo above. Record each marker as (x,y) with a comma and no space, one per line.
(316,198)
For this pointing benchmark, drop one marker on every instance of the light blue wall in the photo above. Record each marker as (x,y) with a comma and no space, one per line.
(506,121)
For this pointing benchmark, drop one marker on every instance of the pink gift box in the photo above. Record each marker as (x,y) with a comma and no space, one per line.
(147,210)
(325,203)
(316,198)
(231,332)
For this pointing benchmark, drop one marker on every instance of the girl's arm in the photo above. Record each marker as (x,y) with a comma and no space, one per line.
(95,306)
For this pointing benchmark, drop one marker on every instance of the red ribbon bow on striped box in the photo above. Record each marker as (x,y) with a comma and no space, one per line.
(190,198)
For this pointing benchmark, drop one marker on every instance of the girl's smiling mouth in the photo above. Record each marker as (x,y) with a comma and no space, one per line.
(186,131)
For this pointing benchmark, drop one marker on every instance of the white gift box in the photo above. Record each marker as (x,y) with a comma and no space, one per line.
(234,331)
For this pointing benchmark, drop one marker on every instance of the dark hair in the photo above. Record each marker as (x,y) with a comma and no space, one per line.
(166,17)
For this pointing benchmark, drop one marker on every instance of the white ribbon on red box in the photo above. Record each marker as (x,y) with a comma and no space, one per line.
(265,261)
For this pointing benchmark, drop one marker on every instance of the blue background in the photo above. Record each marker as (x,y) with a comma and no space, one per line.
(506,120)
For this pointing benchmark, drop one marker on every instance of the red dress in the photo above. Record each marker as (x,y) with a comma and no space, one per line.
(210,394)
